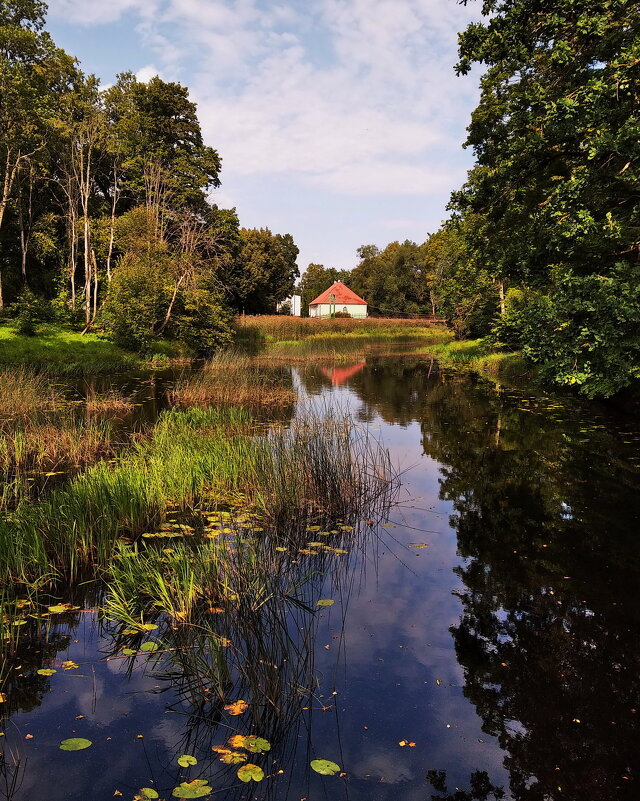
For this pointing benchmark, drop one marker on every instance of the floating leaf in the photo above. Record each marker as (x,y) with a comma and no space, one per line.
(75,744)
(228,756)
(69,665)
(418,545)
(151,645)
(128,651)
(58,609)
(325,767)
(252,743)
(147,626)
(3,698)
(46,672)
(147,793)
(325,602)
(186,759)
(237,707)
(250,772)
(198,788)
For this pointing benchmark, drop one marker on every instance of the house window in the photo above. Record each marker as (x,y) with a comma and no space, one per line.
(344,309)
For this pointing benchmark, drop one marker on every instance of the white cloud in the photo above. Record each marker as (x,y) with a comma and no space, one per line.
(146,73)
(358,96)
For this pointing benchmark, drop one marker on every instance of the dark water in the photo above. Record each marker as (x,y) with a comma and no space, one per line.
(492,625)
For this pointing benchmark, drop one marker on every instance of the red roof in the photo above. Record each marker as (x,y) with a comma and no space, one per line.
(343,295)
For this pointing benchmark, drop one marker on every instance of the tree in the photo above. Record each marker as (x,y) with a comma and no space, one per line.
(156,123)
(555,193)
(391,280)
(33,74)
(266,270)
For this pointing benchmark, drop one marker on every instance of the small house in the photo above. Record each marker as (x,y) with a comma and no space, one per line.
(338,298)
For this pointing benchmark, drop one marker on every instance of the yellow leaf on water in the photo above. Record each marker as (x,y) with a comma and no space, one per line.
(237,707)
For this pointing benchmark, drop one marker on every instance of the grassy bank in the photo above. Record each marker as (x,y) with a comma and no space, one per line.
(477,355)
(60,351)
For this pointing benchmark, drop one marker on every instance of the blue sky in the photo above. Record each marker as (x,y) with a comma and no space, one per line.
(338,121)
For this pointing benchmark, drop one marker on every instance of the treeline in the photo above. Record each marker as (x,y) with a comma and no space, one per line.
(105,211)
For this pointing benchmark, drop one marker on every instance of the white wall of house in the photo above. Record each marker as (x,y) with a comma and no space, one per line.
(326,309)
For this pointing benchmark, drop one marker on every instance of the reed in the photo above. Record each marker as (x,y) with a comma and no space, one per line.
(234,379)
(276,328)
(24,393)
(196,456)
(111,402)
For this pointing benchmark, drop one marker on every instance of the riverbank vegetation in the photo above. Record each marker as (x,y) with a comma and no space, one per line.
(195,462)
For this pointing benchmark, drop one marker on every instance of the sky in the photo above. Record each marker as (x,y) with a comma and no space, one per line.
(340,122)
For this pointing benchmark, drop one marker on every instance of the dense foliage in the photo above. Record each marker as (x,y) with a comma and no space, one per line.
(104,208)
(552,206)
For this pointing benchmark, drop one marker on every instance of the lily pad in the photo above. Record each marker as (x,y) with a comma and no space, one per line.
(325,767)
(147,793)
(186,759)
(251,743)
(74,744)
(250,772)
(198,788)
(128,651)
(150,645)
(46,671)
(326,602)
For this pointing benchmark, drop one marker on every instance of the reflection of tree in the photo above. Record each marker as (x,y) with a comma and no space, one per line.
(481,788)
(544,511)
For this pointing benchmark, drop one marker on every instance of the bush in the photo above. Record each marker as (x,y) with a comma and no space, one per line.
(30,310)
(136,303)
(201,321)
(586,333)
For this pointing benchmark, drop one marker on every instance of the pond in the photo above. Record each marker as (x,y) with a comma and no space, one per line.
(483,640)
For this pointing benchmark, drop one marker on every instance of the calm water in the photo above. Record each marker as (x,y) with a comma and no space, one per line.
(491,624)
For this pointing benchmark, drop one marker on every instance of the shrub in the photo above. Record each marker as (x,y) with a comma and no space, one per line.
(30,311)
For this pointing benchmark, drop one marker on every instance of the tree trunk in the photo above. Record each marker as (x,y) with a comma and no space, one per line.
(501,296)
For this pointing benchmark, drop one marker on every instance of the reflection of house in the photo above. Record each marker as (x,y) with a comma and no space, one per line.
(338,375)
(338,298)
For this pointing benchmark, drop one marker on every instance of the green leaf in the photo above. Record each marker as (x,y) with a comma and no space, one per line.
(186,759)
(147,793)
(46,672)
(74,744)
(128,651)
(325,767)
(149,646)
(198,788)
(249,772)
(326,602)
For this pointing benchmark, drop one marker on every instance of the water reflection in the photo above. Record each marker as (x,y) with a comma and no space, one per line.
(506,648)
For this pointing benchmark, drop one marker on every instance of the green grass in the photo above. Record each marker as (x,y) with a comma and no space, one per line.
(60,351)
(477,355)
(193,457)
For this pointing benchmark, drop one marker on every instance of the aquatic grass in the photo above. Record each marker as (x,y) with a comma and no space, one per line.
(210,455)
(224,381)
(24,392)
(107,402)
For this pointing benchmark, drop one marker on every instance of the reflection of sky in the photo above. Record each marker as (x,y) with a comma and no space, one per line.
(398,673)
(390,660)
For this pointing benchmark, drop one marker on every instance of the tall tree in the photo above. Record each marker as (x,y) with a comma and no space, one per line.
(33,73)
(266,270)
